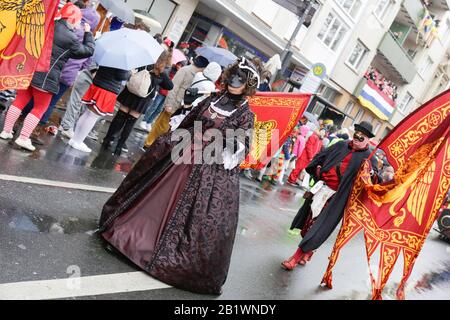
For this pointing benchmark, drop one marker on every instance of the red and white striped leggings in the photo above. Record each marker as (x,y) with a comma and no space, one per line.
(41,102)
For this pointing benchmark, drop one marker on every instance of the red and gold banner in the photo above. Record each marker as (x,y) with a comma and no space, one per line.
(276,115)
(26,37)
(397,216)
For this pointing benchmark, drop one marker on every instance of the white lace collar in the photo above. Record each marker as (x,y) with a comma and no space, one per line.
(223,112)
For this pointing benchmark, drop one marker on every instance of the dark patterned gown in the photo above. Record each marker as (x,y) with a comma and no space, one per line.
(178,221)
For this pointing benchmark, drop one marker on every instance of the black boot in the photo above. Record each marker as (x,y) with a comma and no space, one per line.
(129,124)
(114,128)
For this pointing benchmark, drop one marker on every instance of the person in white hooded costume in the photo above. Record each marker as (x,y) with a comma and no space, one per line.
(205,84)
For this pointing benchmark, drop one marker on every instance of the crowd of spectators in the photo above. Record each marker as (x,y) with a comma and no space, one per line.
(384,85)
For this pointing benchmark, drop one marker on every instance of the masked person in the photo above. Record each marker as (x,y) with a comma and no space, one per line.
(178,221)
(46,84)
(336,167)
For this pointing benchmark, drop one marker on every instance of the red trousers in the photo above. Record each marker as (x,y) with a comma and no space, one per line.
(41,100)
(300,164)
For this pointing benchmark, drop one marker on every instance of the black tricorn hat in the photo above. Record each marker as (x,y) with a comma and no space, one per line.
(366,128)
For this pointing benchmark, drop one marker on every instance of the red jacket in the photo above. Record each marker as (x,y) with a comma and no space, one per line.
(312,147)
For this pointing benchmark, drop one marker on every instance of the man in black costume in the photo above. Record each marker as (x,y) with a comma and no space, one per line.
(337,167)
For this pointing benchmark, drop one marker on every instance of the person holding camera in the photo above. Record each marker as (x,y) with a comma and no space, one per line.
(204,84)
(182,80)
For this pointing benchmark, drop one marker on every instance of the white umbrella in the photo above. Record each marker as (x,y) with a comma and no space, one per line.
(222,56)
(119,9)
(127,49)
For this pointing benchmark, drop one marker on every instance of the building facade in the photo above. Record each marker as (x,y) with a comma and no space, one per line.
(383,58)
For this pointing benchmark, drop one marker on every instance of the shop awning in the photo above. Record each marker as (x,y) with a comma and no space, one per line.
(330,111)
(243,18)
(329,105)
(260,30)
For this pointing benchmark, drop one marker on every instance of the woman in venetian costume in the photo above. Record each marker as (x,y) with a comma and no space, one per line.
(178,221)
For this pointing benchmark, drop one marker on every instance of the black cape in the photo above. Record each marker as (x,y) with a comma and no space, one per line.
(332,213)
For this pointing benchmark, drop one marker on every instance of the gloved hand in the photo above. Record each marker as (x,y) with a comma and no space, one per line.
(232,160)
(175,121)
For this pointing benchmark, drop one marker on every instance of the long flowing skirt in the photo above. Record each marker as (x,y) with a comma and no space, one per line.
(136,232)
(181,230)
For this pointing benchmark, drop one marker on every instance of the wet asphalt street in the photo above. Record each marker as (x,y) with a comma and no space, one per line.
(47,240)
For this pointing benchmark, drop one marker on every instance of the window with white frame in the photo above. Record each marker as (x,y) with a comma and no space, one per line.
(358,117)
(351,6)
(376,127)
(349,107)
(332,32)
(370,118)
(405,103)
(163,9)
(357,55)
(447,30)
(425,66)
(318,108)
(330,94)
(383,7)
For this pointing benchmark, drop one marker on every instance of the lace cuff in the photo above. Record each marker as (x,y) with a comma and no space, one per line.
(232,160)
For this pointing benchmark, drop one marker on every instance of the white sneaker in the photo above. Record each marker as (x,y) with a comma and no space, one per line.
(67,133)
(143,125)
(26,144)
(149,127)
(79,146)
(6,136)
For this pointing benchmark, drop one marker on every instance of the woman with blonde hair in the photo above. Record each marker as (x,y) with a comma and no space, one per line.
(133,106)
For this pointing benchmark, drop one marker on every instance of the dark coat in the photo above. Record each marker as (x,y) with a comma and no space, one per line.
(73,66)
(194,250)
(110,79)
(65,46)
(139,104)
(332,213)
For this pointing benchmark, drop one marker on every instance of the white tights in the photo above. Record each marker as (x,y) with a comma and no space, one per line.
(84,125)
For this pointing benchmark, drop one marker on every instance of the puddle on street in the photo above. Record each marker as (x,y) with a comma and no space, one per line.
(435,278)
(426,285)
(47,224)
